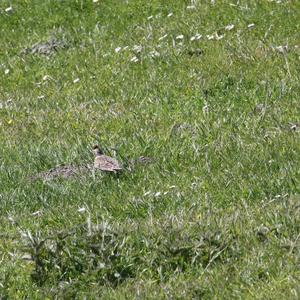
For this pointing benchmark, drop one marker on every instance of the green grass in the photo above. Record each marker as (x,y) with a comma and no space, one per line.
(216,216)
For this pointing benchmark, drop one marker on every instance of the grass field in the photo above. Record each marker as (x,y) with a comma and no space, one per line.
(209,90)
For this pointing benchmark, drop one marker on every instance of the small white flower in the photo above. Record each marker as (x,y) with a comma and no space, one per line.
(219,37)
(134,59)
(180,37)
(8,9)
(118,49)
(150,17)
(27,256)
(46,77)
(191,7)
(294,127)
(157,194)
(215,36)
(36,213)
(41,97)
(147,193)
(102,265)
(172,187)
(281,49)
(12,254)
(24,234)
(196,37)
(137,48)
(162,37)
(76,80)
(6,71)
(165,193)
(229,27)
(251,25)
(205,108)
(154,53)
(95,1)
(170,15)
(11,219)
(81,209)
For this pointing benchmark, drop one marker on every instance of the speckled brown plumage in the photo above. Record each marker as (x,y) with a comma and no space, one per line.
(104,162)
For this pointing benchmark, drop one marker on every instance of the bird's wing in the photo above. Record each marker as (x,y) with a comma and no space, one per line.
(107,163)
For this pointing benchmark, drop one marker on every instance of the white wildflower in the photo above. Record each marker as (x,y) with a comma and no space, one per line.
(11,219)
(191,7)
(219,37)
(36,213)
(6,71)
(81,209)
(229,27)
(281,49)
(214,36)
(251,25)
(76,80)
(147,193)
(205,109)
(179,37)
(170,15)
(101,265)
(162,37)
(157,194)
(134,59)
(154,53)
(118,49)
(294,127)
(196,37)
(150,17)
(8,9)
(137,48)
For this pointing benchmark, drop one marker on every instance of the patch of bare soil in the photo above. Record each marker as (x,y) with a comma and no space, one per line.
(45,48)
(65,172)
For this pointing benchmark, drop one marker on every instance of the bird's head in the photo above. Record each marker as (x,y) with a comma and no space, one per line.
(97,150)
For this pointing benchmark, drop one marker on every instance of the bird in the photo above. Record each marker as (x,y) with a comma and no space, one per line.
(104,162)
